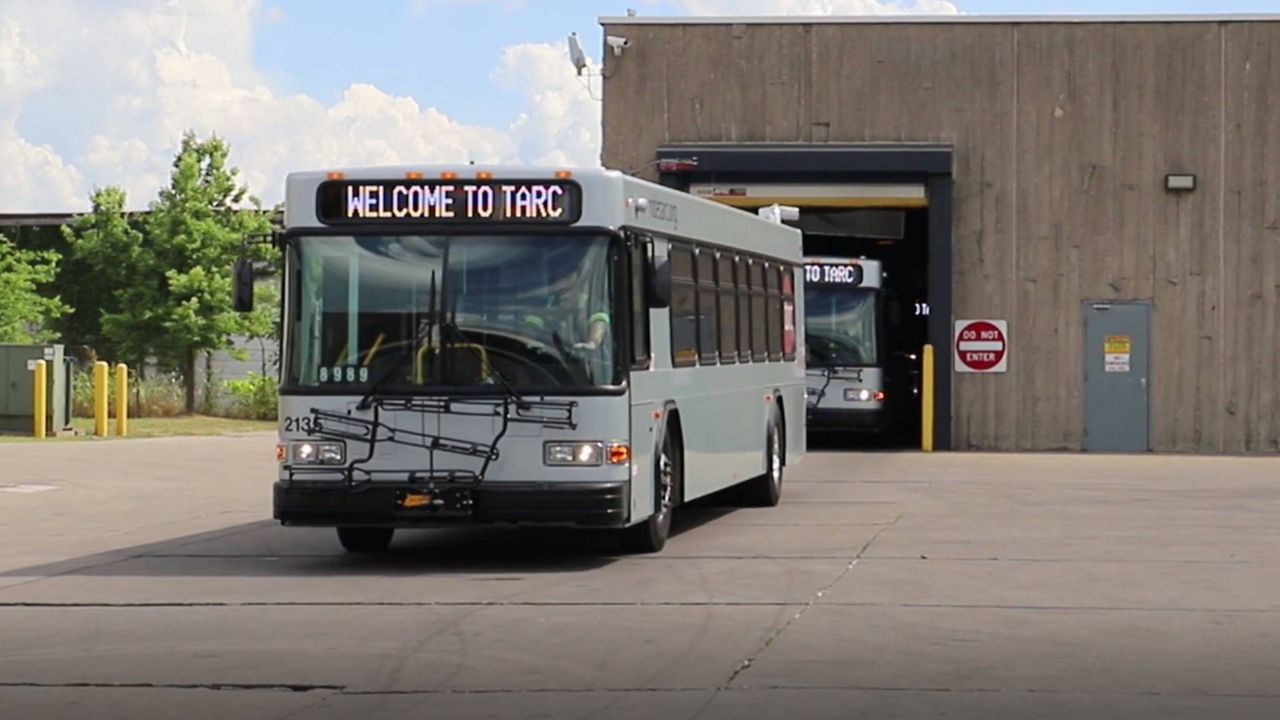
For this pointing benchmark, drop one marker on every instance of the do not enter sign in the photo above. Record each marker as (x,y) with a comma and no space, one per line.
(982,346)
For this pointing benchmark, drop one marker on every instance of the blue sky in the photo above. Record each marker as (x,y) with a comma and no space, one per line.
(98,92)
(441,52)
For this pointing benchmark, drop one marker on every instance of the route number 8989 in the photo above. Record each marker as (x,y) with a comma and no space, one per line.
(344,374)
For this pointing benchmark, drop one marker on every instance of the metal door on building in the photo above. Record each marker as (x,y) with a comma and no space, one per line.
(1117,359)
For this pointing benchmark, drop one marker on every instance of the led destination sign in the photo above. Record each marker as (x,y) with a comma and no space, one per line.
(344,202)
(833,274)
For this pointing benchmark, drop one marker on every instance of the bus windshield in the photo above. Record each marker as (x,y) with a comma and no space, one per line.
(840,326)
(423,313)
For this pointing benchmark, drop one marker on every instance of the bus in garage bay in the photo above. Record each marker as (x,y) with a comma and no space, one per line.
(849,376)
(525,345)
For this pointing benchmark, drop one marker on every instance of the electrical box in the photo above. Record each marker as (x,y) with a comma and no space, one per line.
(17,363)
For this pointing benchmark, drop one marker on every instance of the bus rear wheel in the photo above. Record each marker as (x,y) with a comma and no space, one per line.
(651,535)
(365,539)
(766,490)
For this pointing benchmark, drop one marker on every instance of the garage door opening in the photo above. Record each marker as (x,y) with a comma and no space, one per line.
(865,340)
(883,207)
(866,306)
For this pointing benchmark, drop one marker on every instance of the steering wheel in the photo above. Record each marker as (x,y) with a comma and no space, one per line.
(526,361)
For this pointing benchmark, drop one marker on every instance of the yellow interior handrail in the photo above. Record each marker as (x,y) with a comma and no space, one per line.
(418,360)
(368,357)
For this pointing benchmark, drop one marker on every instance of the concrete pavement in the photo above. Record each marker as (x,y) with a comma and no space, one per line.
(150,582)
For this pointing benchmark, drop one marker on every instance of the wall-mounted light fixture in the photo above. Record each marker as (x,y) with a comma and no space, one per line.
(1179,182)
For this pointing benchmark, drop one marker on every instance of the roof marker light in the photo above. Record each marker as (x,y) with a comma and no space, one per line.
(448,175)
(411,175)
(563,174)
(335,175)
(484,175)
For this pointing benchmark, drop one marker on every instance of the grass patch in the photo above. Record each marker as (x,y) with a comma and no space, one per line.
(182,425)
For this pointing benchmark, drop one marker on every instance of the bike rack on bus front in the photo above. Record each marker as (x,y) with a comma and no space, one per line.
(446,491)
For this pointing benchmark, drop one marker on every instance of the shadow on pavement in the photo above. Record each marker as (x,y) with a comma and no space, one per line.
(264,549)
(862,442)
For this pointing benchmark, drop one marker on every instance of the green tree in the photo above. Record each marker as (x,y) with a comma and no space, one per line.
(196,229)
(25,313)
(170,280)
(107,268)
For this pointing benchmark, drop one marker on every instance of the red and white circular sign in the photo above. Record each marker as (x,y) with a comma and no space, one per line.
(981,345)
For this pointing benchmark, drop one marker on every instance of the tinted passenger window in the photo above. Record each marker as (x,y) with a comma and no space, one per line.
(708,350)
(728,310)
(774,303)
(684,307)
(744,311)
(759,326)
(639,256)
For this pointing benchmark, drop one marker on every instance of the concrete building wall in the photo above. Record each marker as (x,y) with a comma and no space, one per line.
(1063,133)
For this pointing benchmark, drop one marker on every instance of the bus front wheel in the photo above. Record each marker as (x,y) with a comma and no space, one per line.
(651,535)
(365,539)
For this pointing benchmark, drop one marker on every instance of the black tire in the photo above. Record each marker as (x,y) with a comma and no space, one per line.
(650,536)
(365,539)
(766,490)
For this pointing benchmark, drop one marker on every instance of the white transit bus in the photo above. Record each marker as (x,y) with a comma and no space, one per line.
(844,333)
(512,344)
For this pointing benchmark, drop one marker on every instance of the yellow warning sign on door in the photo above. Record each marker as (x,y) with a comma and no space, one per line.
(1115,344)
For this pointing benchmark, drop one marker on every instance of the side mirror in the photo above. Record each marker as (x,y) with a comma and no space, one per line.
(660,284)
(242,285)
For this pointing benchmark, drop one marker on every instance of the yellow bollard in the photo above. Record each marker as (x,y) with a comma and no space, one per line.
(926,400)
(40,399)
(100,399)
(122,400)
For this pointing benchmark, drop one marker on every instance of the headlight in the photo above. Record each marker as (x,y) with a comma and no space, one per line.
(573,453)
(318,453)
(863,395)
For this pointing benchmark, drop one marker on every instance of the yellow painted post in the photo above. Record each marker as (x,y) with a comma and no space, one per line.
(122,400)
(40,398)
(926,400)
(100,399)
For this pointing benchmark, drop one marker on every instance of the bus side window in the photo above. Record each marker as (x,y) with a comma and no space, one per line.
(640,251)
(708,351)
(773,276)
(744,311)
(759,323)
(684,307)
(728,309)
(788,313)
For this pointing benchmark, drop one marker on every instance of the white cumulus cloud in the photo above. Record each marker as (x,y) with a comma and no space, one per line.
(21,68)
(33,177)
(562,123)
(151,69)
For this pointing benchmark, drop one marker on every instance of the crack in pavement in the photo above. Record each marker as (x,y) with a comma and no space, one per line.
(627,604)
(346,691)
(292,687)
(746,663)
(407,603)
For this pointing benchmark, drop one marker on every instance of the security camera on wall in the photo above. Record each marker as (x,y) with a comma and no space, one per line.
(617,43)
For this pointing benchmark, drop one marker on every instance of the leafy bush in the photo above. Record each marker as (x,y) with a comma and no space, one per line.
(253,398)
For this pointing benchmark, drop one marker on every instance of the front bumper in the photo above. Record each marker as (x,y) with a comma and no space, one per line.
(377,504)
(855,419)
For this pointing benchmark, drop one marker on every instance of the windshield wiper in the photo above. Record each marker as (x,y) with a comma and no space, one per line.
(451,327)
(387,375)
